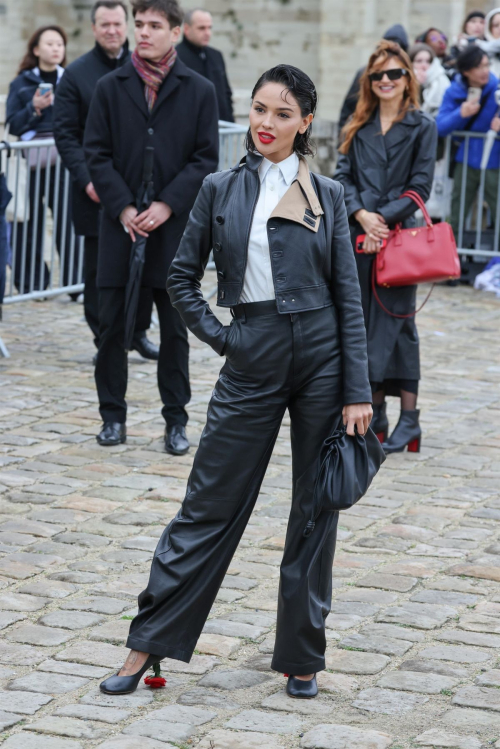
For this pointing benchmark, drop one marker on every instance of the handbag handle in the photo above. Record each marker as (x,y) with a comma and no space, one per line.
(418,200)
(393,314)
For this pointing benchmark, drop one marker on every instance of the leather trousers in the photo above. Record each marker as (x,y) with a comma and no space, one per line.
(274,362)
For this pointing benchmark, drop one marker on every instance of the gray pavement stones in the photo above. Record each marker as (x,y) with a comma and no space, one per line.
(234,679)
(417,566)
(331,736)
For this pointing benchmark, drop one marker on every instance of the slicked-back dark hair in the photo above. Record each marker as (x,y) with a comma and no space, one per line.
(470,58)
(168,8)
(303,90)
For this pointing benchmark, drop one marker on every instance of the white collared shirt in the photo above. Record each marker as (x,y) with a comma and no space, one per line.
(275,179)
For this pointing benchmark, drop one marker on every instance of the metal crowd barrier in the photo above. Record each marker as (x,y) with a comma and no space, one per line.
(37,178)
(474,237)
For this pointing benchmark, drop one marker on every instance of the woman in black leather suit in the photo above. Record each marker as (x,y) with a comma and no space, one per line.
(297,341)
(389,146)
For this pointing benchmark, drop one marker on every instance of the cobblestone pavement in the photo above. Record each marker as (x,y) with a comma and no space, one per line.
(415,624)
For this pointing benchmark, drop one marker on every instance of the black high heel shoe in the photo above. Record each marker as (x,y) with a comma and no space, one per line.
(304,690)
(127,684)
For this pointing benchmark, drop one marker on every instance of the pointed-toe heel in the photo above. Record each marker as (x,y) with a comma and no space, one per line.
(303,690)
(127,684)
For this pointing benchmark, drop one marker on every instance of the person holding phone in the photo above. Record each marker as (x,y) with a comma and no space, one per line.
(470,104)
(28,116)
(388,147)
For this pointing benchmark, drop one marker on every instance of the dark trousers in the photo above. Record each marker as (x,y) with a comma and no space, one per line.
(471,190)
(274,362)
(33,272)
(111,366)
(91,294)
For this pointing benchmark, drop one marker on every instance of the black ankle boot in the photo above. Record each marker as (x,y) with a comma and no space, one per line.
(380,422)
(127,684)
(304,690)
(406,434)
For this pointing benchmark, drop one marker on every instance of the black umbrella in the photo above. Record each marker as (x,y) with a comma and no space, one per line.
(138,250)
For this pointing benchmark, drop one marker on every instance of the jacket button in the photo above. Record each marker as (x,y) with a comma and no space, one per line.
(221,274)
(151,131)
(217,247)
(273,228)
(220,220)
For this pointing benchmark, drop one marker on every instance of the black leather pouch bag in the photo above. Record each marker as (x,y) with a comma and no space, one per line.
(348,466)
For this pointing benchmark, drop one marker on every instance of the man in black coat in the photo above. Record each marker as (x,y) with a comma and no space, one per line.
(71,107)
(207,61)
(152,101)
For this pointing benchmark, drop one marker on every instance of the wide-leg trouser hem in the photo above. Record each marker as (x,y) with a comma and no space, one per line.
(157,648)
(287,667)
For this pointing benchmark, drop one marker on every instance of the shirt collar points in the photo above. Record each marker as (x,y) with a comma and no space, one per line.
(288,168)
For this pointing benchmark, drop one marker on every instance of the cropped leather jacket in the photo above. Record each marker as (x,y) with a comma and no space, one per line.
(312,260)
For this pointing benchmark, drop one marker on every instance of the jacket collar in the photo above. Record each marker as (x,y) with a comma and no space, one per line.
(199,51)
(135,88)
(300,202)
(113,62)
(36,73)
(371,133)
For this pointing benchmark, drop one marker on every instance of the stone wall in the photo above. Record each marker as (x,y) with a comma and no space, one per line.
(329,39)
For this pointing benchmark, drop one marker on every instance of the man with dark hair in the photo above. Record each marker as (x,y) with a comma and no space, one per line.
(470,104)
(71,107)
(155,101)
(207,61)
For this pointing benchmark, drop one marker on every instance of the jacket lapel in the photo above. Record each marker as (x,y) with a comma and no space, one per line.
(171,83)
(133,86)
(300,202)
(373,140)
(401,131)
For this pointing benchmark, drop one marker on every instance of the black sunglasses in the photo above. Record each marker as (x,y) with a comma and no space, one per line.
(393,75)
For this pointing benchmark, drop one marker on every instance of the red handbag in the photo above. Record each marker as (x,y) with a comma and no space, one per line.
(423,254)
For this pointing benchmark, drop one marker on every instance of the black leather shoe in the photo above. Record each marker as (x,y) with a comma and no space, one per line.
(112,433)
(304,690)
(380,422)
(407,433)
(144,347)
(127,684)
(176,442)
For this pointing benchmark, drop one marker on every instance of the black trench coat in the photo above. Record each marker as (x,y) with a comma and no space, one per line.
(375,172)
(71,108)
(183,130)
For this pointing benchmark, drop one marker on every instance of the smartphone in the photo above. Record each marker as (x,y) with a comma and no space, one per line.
(45,88)
(474,93)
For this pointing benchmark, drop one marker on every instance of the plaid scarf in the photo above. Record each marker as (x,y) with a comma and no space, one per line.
(153,73)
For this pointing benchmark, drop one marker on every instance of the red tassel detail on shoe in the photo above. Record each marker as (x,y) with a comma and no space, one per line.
(155,682)
(286,676)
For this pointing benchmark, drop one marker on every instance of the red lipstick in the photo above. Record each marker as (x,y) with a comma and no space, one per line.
(266,137)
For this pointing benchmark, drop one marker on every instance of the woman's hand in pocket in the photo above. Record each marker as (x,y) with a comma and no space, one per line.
(357,415)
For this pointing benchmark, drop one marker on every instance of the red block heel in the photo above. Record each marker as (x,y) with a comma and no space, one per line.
(414,446)
(382,436)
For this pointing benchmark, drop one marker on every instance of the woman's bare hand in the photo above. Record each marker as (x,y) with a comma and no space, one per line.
(357,415)
(371,246)
(42,102)
(373,224)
